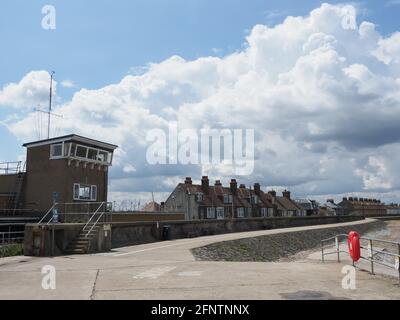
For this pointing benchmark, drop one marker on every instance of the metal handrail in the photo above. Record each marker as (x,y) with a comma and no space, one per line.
(12,167)
(87,234)
(9,239)
(50,210)
(370,250)
(94,213)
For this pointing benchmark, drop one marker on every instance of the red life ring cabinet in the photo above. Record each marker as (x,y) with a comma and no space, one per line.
(353,242)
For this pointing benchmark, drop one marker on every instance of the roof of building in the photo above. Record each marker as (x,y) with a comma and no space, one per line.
(288,204)
(72,138)
(215,196)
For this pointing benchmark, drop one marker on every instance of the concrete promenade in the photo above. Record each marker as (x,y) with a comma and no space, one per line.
(167,270)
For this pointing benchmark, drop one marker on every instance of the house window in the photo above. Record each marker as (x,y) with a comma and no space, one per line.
(210,213)
(270,212)
(227,198)
(254,199)
(199,196)
(56,150)
(220,213)
(240,212)
(85,192)
(264,212)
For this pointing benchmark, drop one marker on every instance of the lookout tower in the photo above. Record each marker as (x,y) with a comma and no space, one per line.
(72,167)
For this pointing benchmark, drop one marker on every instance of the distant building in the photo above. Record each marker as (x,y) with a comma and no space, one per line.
(309,206)
(152,207)
(204,201)
(393,209)
(330,208)
(72,169)
(285,206)
(363,206)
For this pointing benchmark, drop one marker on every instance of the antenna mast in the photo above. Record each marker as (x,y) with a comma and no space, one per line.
(51,94)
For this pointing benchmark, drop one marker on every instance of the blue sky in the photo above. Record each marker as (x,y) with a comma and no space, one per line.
(97,43)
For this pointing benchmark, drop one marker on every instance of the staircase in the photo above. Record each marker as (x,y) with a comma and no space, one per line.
(81,244)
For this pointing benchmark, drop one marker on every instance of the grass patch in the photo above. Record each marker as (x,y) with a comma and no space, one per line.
(10,250)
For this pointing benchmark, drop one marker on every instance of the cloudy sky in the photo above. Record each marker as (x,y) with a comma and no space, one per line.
(319,87)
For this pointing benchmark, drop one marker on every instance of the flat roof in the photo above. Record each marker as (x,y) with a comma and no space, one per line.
(74,138)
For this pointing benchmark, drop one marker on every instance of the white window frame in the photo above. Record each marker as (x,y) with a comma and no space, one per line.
(199,196)
(220,213)
(210,213)
(240,212)
(52,148)
(107,161)
(228,198)
(92,192)
(264,212)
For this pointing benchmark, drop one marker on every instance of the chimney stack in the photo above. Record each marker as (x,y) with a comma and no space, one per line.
(188,180)
(257,189)
(286,194)
(242,186)
(218,183)
(272,193)
(205,184)
(233,186)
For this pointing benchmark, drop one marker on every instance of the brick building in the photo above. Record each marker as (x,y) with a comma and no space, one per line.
(71,168)
(363,206)
(205,201)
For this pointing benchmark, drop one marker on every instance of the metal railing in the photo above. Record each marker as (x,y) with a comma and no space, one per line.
(78,212)
(11,167)
(11,237)
(373,253)
(90,224)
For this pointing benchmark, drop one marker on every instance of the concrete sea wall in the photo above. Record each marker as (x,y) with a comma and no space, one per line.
(275,246)
(39,239)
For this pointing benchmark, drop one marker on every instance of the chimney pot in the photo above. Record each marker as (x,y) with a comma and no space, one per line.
(188,180)
(233,186)
(286,194)
(272,193)
(257,188)
(205,184)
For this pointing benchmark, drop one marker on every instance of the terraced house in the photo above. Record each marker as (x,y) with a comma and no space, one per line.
(205,201)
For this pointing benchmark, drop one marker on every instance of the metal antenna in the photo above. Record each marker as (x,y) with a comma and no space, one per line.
(51,94)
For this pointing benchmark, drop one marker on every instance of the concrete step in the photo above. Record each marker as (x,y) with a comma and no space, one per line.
(75,251)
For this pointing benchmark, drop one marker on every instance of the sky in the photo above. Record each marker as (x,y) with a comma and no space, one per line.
(322,98)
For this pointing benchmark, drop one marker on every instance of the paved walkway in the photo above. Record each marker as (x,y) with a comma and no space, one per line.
(167,270)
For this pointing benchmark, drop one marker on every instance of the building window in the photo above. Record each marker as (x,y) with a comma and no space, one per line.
(255,199)
(227,198)
(81,151)
(210,213)
(270,212)
(85,192)
(199,196)
(56,150)
(220,213)
(264,212)
(240,212)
